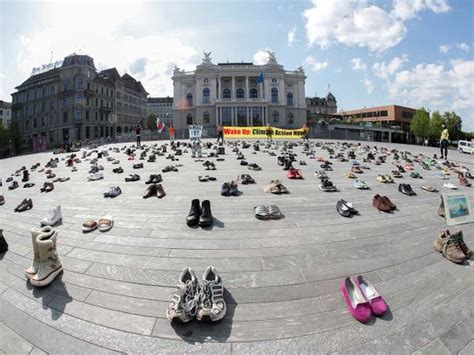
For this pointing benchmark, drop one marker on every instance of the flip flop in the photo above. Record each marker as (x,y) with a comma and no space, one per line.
(105,224)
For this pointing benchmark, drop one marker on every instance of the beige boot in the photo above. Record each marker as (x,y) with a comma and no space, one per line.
(34,234)
(49,265)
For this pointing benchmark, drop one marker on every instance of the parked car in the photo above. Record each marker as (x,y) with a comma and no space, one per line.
(465,147)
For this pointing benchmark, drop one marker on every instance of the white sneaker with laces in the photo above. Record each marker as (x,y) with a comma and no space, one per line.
(95,176)
(211,297)
(184,300)
(54,216)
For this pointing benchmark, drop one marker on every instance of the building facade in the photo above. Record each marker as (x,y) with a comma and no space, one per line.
(75,102)
(320,107)
(162,107)
(5,113)
(234,94)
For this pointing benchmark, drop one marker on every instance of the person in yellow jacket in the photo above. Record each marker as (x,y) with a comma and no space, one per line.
(444,142)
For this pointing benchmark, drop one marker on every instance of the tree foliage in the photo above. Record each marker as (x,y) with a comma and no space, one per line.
(436,125)
(420,123)
(151,122)
(453,123)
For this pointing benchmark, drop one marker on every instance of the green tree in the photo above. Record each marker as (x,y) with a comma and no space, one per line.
(453,123)
(436,125)
(15,136)
(420,123)
(151,122)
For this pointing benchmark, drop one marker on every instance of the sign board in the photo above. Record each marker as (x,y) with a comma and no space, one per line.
(46,67)
(260,132)
(195,132)
(457,208)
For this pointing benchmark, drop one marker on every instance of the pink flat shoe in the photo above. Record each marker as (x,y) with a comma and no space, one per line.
(377,303)
(357,305)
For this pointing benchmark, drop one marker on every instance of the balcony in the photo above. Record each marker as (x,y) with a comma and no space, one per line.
(240,101)
(105,108)
(65,93)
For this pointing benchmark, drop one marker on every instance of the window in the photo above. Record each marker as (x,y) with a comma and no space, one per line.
(51,105)
(275,117)
(66,102)
(257,116)
(35,123)
(43,106)
(96,115)
(206,80)
(206,94)
(291,118)
(189,119)
(79,84)
(289,99)
(52,90)
(87,132)
(383,113)
(189,100)
(226,94)
(274,95)
(242,116)
(226,116)
(43,122)
(65,118)
(66,86)
(240,93)
(79,99)
(87,115)
(205,117)
(253,93)
(274,80)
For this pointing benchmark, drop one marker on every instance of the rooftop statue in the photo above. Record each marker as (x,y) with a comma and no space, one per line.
(271,57)
(207,57)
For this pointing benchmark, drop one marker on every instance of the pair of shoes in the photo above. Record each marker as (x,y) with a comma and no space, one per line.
(13,186)
(26,204)
(345,208)
(396,174)
(230,189)
(3,243)
(276,187)
(104,224)
(254,166)
(386,179)
(246,179)
(244,162)
(169,168)
(54,216)
(154,179)
(326,166)
(46,265)
(132,177)
(118,170)
(406,190)
(209,165)
(267,212)
(112,192)
(383,203)
(201,301)
(361,185)
(362,298)
(28,184)
(356,169)
(138,166)
(200,215)
(429,188)
(351,175)
(327,186)
(155,190)
(95,176)
(452,246)
(463,181)
(320,175)
(450,186)
(47,187)
(206,178)
(416,175)
(294,174)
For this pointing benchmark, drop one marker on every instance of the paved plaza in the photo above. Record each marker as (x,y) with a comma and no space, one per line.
(281,276)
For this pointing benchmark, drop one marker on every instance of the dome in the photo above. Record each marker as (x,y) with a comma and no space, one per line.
(330,97)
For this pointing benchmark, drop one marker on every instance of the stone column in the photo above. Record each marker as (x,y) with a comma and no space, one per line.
(232,91)
(247,92)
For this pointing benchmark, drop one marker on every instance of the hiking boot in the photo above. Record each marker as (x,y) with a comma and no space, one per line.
(465,249)
(211,301)
(3,243)
(192,219)
(206,219)
(33,269)
(184,300)
(450,246)
(49,265)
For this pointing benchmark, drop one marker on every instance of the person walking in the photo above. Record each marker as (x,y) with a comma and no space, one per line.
(220,134)
(305,133)
(269,132)
(171,133)
(138,131)
(444,142)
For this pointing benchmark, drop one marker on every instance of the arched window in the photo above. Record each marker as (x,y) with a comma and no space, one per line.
(253,93)
(189,100)
(274,95)
(275,117)
(126,129)
(289,99)
(291,118)
(226,94)
(206,117)
(189,119)
(206,96)
(240,93)
(119,130)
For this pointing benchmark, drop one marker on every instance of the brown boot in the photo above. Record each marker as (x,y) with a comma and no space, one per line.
(450,247)
(441,211)
(160,192)
(465,249)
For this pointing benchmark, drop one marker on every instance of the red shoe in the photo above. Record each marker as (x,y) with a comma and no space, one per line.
(291,174)
(298,174)
(131,157)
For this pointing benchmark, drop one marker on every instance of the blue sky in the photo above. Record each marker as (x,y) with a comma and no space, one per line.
(408,52)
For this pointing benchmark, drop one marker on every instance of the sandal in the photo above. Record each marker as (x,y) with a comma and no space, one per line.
(89,226)
(105,224)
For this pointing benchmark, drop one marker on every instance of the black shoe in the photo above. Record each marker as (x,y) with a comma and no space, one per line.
(192,218)
(342,209)
(3,243)
(13,186)
(225,189)
(206,220)
(26,176)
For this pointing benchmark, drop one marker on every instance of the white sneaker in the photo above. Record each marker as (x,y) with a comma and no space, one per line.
(95,176)
(211,301)
(450,186)
(54,216)
(184,300)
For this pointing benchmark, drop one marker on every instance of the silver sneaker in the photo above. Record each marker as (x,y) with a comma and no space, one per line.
(211,297)
(184,300)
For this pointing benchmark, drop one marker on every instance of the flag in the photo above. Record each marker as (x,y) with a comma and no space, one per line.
(159,125)
(260,78)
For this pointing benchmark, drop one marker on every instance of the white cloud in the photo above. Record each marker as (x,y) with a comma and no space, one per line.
(261,57)
(138,55)
(358,64)
(383,70)
(444,48)
(406,9)
(314,64)
(291,36)
(463,46)
(434,85)
(352,23)
(369,85)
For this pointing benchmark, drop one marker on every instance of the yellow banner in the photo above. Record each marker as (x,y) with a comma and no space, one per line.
(263,132)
